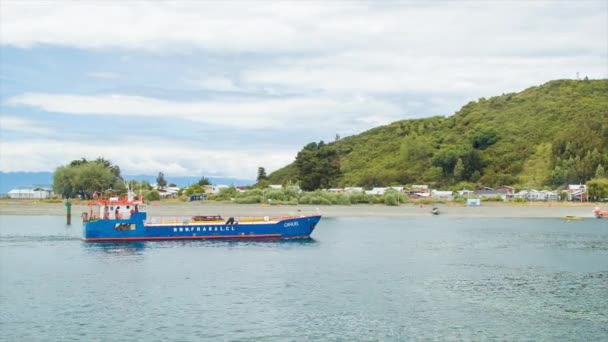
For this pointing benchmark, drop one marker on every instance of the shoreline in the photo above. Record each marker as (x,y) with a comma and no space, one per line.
(487,210)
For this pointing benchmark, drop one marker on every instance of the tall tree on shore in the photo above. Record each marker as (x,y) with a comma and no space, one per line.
(161,182)
(261,174)
(318,166)
(203,181)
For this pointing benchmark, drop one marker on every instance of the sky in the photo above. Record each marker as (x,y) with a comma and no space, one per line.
(193,88)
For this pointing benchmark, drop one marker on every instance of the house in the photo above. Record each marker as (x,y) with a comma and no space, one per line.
(551,195)
(510,191)
(168,192)
(531,195)
(486,193)
(335,190)
(418,191)
(376,191)
(442,195)
(31,193)
(577,192)
(214,189)
(535,195)
(276,186)
(382,191)
(351,190)
(465,193)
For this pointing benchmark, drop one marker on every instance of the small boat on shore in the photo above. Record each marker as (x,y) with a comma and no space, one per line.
(599,213)
(126,219)
(573,218)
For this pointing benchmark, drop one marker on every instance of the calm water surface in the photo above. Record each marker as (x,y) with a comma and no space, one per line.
(386,279)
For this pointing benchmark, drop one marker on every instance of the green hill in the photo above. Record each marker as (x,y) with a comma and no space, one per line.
(553,134)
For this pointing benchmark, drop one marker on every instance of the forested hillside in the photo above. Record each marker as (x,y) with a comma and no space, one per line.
(549,135)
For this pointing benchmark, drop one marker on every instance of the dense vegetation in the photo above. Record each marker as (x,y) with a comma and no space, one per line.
(82,178)
(550,135)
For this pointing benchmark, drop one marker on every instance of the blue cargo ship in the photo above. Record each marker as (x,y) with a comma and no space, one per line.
(126,219)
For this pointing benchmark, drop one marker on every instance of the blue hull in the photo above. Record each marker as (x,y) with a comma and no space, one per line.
(137,228)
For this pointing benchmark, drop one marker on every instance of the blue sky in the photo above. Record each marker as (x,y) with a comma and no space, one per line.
(207,88)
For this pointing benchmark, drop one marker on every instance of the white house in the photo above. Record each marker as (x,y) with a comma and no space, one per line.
(276,186)
(381,191)
(442,195)
(465,192)
(352,189)
(535,195)
(376,191)
(169,192)
(531,195)
(31,193)
(214,189)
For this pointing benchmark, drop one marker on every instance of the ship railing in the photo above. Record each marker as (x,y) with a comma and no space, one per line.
(172,220)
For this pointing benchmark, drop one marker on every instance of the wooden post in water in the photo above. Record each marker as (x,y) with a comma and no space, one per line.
(68,206)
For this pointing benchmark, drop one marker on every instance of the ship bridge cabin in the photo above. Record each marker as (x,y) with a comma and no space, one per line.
(115,208)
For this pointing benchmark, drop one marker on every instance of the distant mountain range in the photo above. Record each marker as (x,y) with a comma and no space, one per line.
(12,180)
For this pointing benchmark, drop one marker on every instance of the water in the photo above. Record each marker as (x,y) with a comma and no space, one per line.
(360,279)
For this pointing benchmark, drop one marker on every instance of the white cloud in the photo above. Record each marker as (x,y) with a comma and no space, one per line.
(134,157)
(217,84)
(235,113)
(20,125)
(387,73)
(416,29)
(321,67)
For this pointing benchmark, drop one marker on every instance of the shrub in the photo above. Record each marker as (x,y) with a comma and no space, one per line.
(390,198)
(248,200)
(152,196)
(491,199)
(459,199)
(225,194)
(320,200)
(343,200)
(292,201)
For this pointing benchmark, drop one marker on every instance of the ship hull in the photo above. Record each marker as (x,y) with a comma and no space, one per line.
(137,228)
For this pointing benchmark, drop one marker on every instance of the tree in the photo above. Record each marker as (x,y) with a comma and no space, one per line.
(83,178)
(160,180)
(475,176)
(152,196)
(203,181)
(145,185)
(261,174)
(598,188)
(600,172)
(194,189)
(317,166)
(484,138)
(459,170)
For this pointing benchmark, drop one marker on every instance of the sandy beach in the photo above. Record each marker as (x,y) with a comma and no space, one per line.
(544,210)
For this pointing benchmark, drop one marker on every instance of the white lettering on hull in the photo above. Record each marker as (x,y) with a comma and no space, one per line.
(204,229)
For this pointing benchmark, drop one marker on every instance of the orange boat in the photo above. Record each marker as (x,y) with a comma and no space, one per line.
(597,212)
